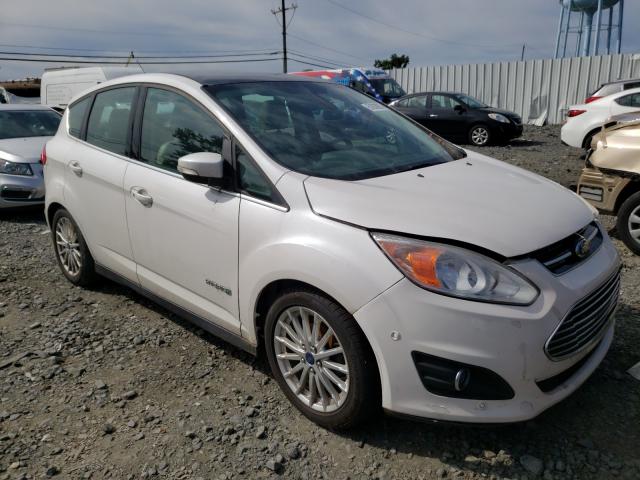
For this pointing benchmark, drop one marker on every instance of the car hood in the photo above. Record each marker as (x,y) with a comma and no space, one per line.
(476,200)
(23,150)
(506,113)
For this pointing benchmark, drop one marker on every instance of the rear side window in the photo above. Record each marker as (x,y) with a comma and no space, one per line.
(76,115)
(444,102)
(108,125)
(632,100)
(173,126)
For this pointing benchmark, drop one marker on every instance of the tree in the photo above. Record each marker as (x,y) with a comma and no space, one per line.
(395,61)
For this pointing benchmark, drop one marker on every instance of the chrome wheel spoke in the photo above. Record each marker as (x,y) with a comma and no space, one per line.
(328,353)
(635,233)
(311,359)
(338,367)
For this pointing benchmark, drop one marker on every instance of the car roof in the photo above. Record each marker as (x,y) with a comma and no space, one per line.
(22,107)
(205,78)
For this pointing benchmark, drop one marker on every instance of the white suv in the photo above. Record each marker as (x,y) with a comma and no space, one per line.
(373,263)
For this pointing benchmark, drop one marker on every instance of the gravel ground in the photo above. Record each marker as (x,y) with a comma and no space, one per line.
(103,384)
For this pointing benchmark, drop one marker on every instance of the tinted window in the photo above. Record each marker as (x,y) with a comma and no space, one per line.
(630,85)
(76,115)
(250,178)
(632,100)
(328,130)
(28,123)
(443,101)
(173,126)
(109,119)
(417,102)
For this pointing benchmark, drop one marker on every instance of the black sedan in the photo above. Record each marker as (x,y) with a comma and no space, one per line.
(459,117)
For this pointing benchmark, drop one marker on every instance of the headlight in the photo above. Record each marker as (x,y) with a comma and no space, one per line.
(12,168)
(456,271)
(499,117)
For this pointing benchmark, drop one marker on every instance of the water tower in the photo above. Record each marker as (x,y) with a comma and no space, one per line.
(583,13)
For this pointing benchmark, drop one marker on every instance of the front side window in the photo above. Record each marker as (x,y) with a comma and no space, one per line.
(28,123)
(76,115)
(470,101)
(173,126)
(251,180)
(108,125)
(328,130)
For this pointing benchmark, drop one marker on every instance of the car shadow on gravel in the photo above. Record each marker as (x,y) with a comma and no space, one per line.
(23,215)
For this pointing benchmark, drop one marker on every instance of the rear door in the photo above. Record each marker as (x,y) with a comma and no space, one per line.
(443,118)
(414,107)
(94,175)
(184,235)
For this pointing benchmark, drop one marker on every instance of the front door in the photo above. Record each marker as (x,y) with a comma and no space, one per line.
(184,235)
(444,119)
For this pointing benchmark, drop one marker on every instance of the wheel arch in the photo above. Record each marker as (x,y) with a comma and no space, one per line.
(52,208)
(629,189)
(586,140)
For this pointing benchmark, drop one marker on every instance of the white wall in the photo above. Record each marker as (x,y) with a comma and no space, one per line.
(539,90)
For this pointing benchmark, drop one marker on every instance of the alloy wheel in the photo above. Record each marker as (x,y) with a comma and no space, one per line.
(68,246)
(311,359)
(634,224)
(479,136)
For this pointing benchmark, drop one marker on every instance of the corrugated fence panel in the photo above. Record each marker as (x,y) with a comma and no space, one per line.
(541,91)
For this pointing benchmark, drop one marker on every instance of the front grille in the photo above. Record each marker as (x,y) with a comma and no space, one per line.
(15,194)
(586,321)
(562,256)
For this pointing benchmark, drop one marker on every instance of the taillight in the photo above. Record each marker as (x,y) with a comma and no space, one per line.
(43,156)
(575,113)
(592,99)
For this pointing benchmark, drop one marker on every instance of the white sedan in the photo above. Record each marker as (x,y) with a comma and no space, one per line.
(584,121)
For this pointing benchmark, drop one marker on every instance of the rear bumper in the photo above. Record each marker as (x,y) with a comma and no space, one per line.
(601,190)
(21,191)
(505,340)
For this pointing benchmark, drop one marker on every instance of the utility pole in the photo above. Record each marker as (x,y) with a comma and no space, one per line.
(524,45)
(283,10)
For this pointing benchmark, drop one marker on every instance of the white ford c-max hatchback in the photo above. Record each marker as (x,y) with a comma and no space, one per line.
(373,263)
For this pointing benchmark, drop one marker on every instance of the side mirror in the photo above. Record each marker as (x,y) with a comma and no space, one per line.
(459,108)
(202,167)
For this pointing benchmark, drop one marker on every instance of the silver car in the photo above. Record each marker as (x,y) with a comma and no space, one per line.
(24,129)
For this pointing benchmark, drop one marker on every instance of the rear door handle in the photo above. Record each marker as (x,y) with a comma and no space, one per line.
(142,196)
(75,168)
(433,115)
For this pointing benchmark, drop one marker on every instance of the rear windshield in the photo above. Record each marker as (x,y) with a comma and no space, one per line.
(328,130)
(28,123)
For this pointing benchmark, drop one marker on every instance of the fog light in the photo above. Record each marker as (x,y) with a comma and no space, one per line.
(448,378)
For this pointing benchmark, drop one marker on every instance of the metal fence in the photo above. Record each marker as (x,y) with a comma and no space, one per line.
(539,90)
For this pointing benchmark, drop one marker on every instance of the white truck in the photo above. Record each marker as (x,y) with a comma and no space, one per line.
(60,85)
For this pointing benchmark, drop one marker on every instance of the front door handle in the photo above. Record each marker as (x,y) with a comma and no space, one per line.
(142,196)
(433,115)
(75,168)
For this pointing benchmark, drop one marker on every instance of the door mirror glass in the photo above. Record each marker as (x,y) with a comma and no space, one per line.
(202,167)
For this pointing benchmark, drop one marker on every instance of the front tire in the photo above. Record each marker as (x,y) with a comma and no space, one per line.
(321,360)
(479,135)
(628,223)
(72,253)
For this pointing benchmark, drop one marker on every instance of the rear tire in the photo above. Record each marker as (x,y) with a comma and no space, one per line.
(628,223)
(479,135)
(337,391)
(72,253)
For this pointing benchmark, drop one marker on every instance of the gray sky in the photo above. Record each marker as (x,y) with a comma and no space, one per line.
(435,31)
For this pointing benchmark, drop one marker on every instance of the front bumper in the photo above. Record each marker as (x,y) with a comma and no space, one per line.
(601,190)
(506,340)
(507,131)
(22,191)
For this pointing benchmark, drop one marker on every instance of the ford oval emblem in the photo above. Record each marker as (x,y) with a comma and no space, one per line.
(583,247)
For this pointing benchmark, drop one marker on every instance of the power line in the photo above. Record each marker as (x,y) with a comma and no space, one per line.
(27,54)
(395,27)
(317,59)
(125,52)
(110,62)
(325,47)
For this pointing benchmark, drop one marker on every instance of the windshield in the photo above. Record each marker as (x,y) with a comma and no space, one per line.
(470,101)
(328,130)
(28,123)
(388,87)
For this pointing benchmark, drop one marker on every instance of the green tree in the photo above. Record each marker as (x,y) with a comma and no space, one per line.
(394,61)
